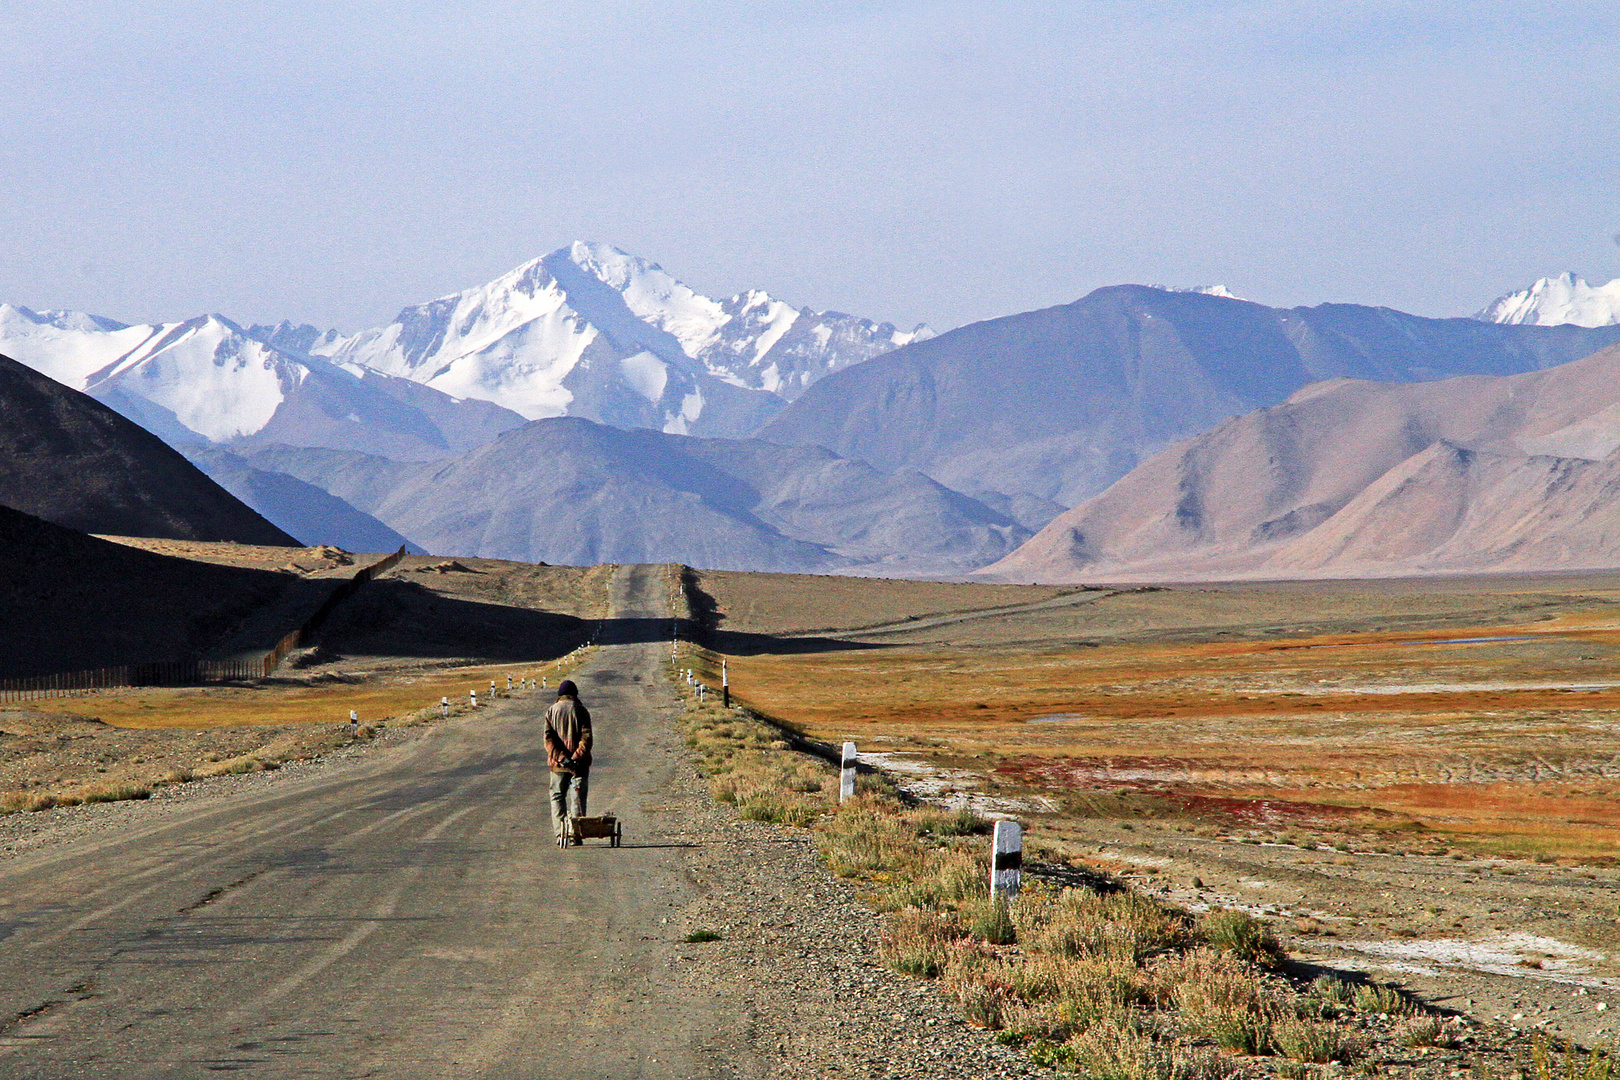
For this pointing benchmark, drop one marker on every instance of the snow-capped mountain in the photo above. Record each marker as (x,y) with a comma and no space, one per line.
(592,331)
(1556,301)
(207,381)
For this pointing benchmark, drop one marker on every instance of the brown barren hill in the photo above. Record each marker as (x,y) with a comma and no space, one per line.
(1349,479)
(70,601)
(69,459)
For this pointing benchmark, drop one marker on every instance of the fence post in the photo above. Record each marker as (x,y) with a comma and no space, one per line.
(846,773)
(1006,860)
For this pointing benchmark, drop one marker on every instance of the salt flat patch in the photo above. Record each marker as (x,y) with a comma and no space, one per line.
(1513,953)
(1442,688)
(953,789)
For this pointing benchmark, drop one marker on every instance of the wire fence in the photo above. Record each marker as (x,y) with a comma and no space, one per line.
(191,672)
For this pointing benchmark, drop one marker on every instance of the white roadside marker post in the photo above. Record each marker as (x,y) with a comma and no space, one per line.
(474,695)
(509,683)
(444,708)
(354,720)
(1006,860)
(492,689)
(544,683)
(725,686)
(846,774)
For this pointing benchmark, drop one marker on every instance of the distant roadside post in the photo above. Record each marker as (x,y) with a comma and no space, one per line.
(474,695)
(846,774)
(725,685)
(444,708)
(1006,860)
(354,718)
(509,684)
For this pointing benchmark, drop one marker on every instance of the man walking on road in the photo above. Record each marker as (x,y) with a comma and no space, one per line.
(568,753)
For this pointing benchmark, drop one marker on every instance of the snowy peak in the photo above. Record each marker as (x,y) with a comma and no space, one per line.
(208,374)
(1556,301)
(300,340)
(588,330)
(649,293)
(1202,290)
(207,380)
(593,331)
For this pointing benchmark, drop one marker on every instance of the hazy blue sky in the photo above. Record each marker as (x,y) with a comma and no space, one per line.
(913,161)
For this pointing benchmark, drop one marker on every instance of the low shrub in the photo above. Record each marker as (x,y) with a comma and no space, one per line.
(1309,1040)
(1387,1000)
(1422,1030)
(1242,935)
(1221,998)
(991,922)
(962,821)
(13,802)
(117,793)
(1123,926)
(1547,1063)
(920,942)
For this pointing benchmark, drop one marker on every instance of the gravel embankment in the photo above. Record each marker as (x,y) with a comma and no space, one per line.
(802,950)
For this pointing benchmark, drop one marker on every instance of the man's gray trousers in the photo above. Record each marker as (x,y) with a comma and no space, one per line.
(568,795)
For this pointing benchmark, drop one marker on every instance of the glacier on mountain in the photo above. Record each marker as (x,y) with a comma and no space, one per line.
(208,381)
(590,330)
(1557,301)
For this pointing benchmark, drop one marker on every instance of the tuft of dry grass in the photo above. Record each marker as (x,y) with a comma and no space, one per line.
(1242,935)
(1547,1062)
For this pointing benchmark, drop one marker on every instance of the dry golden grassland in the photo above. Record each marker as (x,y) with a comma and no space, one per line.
(289,701)
(124,744)
(1103,981)
(1407,739)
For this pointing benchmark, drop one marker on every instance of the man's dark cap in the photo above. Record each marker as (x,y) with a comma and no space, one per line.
(566,688)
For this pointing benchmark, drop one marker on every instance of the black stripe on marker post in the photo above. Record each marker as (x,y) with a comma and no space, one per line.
(1009,860)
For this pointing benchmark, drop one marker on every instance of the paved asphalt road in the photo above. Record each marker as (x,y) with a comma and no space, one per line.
(403,916)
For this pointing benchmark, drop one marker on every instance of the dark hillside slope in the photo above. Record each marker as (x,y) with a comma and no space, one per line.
(69,459)
(307,512)
(70,601)
(1053,406)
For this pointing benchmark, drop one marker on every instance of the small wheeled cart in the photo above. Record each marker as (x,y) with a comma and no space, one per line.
(577,830)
